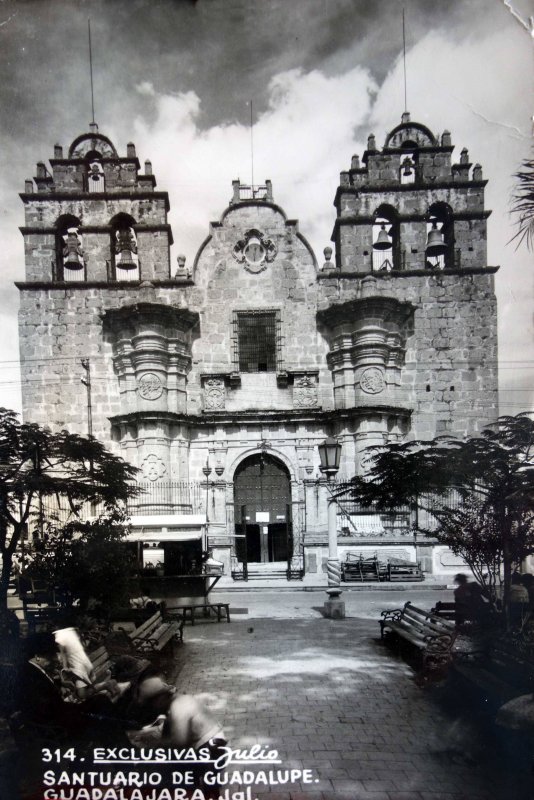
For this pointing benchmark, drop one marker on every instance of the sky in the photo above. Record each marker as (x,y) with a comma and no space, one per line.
(182,79)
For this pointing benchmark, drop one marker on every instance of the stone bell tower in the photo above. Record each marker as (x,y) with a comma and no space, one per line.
(407,208)
(98,288)
(409,308)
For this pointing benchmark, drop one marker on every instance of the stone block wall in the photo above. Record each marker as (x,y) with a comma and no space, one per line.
(95,231)
(449,374)
(285,284)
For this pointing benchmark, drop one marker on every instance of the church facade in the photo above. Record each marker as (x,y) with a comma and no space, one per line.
(218,380)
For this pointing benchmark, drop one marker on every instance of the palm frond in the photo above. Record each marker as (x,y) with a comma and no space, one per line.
(523,204)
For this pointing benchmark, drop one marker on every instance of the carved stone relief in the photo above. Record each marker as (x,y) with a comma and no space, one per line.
(254,251)
(214,393)
(153,467)
(305,392)
(150,386)
(372,380)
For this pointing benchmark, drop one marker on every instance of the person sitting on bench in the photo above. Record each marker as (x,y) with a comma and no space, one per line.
(78,671)
(39,703)
(470,602)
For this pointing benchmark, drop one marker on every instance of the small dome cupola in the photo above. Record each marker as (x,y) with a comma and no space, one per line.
(92,146)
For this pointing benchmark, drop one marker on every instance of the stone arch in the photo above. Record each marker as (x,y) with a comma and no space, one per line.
(262,497)
(412,132)
(90,142)
(440,217)
(271,451)
(124,260)
(386,221)
(69,249)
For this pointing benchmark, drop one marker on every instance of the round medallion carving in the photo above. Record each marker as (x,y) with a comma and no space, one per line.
(153,467)
(372,380)
(150,386)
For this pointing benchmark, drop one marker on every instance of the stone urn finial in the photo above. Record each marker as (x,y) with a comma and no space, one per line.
(327,259)
(181,270)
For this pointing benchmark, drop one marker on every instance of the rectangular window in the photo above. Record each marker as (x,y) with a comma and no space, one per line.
(256,339)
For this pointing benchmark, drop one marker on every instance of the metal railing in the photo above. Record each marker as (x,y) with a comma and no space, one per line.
(407,515)
(169,497)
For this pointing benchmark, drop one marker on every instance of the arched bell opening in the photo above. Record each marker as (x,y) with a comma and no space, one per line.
(439,251)
(409,160)
(385,240)
(123,246)
(262,500)
(95,180)
(70,262)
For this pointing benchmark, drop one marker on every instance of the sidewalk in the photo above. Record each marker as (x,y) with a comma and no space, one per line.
(330,698)
(315,582)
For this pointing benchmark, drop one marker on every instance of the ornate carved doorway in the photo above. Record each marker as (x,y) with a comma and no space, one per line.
(262,496)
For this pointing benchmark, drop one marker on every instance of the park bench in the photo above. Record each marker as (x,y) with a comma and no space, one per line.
(155,633)
(446,610)
(26,731)
(101,661)
(356,567)
(430,634)
(501,671)
(399,570)
(187,610)
(102,666)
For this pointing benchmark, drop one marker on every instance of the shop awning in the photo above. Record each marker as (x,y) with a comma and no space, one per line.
(166,528)
(159,535)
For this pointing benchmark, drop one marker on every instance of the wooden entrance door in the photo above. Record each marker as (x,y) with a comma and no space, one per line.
(262,496)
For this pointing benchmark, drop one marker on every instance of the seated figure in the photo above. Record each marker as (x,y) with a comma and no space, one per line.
(78,670)
(38,701)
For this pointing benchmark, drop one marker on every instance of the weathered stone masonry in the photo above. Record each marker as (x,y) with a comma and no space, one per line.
(256,353)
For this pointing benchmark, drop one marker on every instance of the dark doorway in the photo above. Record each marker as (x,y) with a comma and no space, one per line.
(262,496)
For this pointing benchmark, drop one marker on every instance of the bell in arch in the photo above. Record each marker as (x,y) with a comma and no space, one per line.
(435,245)
(383,241)
(72,250)
(125,247)
(407,165)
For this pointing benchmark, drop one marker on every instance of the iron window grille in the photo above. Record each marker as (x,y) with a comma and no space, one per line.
(257,341)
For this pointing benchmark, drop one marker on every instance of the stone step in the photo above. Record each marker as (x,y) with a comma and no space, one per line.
(268,571)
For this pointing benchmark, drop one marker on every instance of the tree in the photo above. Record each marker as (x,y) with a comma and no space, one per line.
(86,560)
(523,203)
(480,491)
(37,464)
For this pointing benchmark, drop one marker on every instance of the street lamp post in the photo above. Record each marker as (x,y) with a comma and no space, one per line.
(207,472)
(330,454)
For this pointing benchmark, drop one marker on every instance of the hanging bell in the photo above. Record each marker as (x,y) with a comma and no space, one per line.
(125,260)
(125,248)
(383,242)
(72,251)
(435,245)
(407,167)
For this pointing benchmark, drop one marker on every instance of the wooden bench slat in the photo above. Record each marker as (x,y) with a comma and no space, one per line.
(429,624)
(433,636)
(155,633)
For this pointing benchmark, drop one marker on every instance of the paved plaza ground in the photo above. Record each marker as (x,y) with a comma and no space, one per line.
(334,700)
(331,698)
